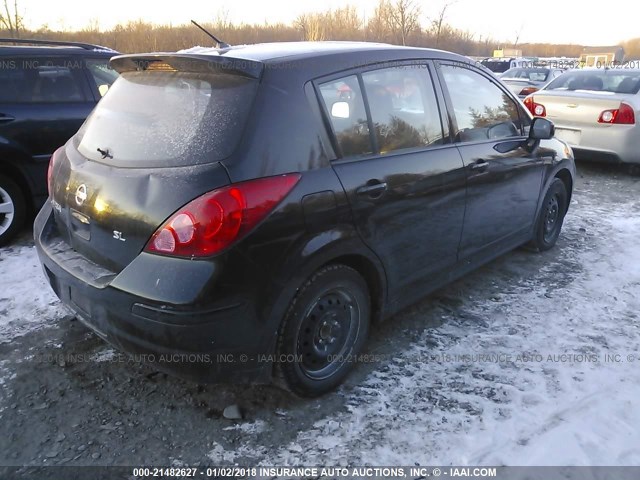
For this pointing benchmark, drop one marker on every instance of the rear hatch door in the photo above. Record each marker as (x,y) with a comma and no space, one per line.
(152,144)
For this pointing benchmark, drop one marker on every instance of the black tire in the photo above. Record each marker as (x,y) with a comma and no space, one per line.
(549,222)
(13,209)
(324,328)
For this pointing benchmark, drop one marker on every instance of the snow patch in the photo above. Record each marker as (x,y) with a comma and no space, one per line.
(218,455)
(248,428)
(200,50)
(565,395)
(105,355)
(27,302)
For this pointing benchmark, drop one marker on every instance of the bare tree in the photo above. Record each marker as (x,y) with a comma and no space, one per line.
(438,23)
(393,21)
(343,24)
(632,48)
(221,22)
(404,19)
(518,34)
(11,20)
(312,26)
(378,26)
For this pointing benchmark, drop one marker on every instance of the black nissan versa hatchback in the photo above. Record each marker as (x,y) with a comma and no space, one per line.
(247,213)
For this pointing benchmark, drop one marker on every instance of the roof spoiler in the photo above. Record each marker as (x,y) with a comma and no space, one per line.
(176,62)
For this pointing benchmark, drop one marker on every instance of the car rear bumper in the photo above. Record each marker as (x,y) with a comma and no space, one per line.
(609,143)
(215,341)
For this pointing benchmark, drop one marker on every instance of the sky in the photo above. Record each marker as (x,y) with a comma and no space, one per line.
(544,21)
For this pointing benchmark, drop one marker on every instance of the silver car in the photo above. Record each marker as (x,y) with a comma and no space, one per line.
(523,81)
(595,111)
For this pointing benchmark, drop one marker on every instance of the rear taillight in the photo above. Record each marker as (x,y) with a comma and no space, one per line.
(623,115)
(49,176)
(528,90)
(52,162)
(536,109)
(214,221)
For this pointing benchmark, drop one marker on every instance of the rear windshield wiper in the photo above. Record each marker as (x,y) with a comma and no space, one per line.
(104,153)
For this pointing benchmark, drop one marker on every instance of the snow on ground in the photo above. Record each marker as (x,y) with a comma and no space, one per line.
(27,302)
(543,394)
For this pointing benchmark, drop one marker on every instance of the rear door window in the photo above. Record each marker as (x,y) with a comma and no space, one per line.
(168,118)
(403,107)
(483,111)
(345,106)
(41,80)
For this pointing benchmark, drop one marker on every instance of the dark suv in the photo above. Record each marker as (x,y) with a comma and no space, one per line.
(246,213)
(47,89)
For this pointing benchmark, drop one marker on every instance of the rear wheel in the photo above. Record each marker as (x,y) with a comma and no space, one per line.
(326,325)
(551,217)
(12,209)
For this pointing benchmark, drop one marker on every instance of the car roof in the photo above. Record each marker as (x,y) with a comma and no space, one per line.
(36,51)
(13,46)
(274,52)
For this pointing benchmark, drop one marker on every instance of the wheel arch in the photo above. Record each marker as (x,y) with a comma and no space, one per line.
(345,248)
(20,178)
(372,276)
(566,177)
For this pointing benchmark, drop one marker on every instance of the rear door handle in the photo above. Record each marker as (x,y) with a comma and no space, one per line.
(479,165)
(373,188)
(6,118)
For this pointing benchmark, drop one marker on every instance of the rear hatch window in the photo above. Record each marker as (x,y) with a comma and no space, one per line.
(611,81)
(167,118)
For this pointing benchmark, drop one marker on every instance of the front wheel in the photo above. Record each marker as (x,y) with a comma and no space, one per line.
(551,217)
(324,329)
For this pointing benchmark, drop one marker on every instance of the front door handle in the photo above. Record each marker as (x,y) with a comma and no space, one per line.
(480,165)
(6,118)
(373,189)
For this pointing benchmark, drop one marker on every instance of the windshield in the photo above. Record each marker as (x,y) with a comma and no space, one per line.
(167,118)
(613,81)
(531,74)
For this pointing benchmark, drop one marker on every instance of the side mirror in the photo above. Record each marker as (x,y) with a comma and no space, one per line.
(541,129)
(340,110)
(103,89)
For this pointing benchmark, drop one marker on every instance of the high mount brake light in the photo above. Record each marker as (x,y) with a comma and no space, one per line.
(528,90)
(216,220)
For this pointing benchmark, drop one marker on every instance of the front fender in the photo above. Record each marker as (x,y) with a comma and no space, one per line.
(559,162)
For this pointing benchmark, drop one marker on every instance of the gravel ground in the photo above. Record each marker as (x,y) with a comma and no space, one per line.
(66,398)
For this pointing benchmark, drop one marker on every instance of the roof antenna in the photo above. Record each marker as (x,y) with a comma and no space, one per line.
(219,43)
